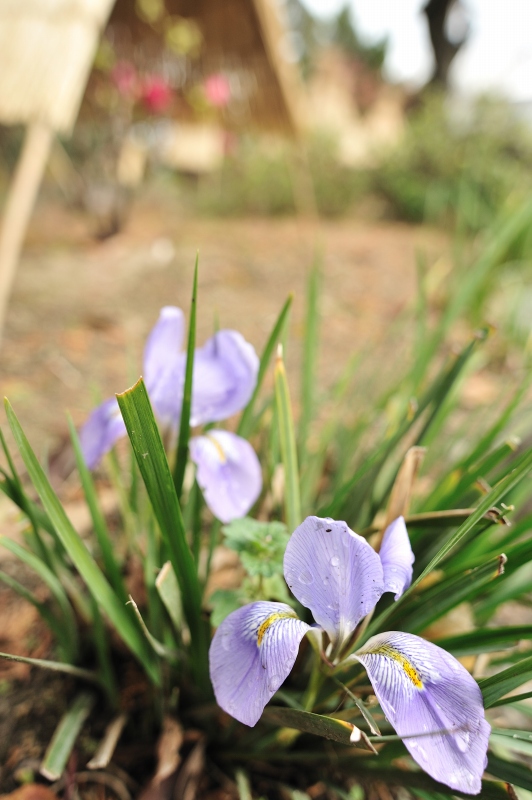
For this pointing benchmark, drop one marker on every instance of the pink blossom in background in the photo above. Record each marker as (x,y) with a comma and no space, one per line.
(217,90)
(125,78)
(156,94)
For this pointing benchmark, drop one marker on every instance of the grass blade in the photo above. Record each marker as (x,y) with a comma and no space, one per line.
(310,356)
(428,606)
(485,640)
(59,750)
(69,634)
(336,729)
(96,582)
(510,772)
(497,686)
(58,630)
(245,425)
(288,446)
(429,404)
(153,466)
(98,522)
(522,467)
(184,425)
(55,666)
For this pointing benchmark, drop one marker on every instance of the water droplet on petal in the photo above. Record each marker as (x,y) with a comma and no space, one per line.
(306,577)
(335,561)
(274,682)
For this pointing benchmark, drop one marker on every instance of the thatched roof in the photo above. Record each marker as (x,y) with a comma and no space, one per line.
(247,37)
(47,48)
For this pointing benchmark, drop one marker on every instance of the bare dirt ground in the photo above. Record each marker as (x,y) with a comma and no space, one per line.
(81,309)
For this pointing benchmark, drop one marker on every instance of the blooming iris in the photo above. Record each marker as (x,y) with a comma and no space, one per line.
(421,688)
(224,377)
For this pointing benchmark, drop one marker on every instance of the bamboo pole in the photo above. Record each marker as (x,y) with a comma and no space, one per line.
(19,205)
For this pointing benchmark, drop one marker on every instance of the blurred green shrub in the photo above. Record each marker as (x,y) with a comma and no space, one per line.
(451,166)
(457,165)
(276,177)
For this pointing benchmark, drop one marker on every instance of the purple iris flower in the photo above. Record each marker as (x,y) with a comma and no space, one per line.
(163,366)
(225,375)
(228,472)
(421,688)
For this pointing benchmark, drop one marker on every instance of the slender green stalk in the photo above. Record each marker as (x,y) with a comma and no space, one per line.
(184,426)
(245,425)
(310,356)
(288,445)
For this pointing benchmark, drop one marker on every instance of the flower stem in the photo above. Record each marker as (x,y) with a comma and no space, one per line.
(314,686)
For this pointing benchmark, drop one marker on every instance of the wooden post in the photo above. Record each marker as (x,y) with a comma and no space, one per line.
(19,205)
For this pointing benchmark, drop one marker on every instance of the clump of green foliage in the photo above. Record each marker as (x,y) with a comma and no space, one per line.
(351,467)
(453,168)
(462,163)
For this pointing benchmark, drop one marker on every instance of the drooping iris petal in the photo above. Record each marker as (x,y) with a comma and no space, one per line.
(228,472)
(422,689)
(164,365)
(102,429)
(225,374)
(335,573)
(251,655)
(396,558)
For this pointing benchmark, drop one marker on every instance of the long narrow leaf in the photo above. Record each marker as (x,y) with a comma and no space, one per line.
(153,466)
(98,522)
(511,772)
(430,605)
(70,637)
(48,617)
(55,666)
(428,405)
(96,582)
(496,686)
(184,425)
(59,750)
(485,640)
(310,356)
(245,425)
(497,493)
(288,446)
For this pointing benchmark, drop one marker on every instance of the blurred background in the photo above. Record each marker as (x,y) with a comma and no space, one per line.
(390,137)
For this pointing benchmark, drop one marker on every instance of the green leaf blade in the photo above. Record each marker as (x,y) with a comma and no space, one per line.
(94,579)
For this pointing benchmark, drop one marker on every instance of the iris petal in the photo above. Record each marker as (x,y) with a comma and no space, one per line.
(422,689)
(251,655)
(102,429)
(335,573)
(228,472)
(164,365)
(225,375)
(397,558)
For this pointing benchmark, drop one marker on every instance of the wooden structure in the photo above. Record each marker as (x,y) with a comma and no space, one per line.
(245,37)
(46,52)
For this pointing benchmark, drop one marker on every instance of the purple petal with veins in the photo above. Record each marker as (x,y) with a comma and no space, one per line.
(225,375)
(335,573)
(397,558)
(422,689)
(164,366)
(102,429)
(251,655)
(228,472)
